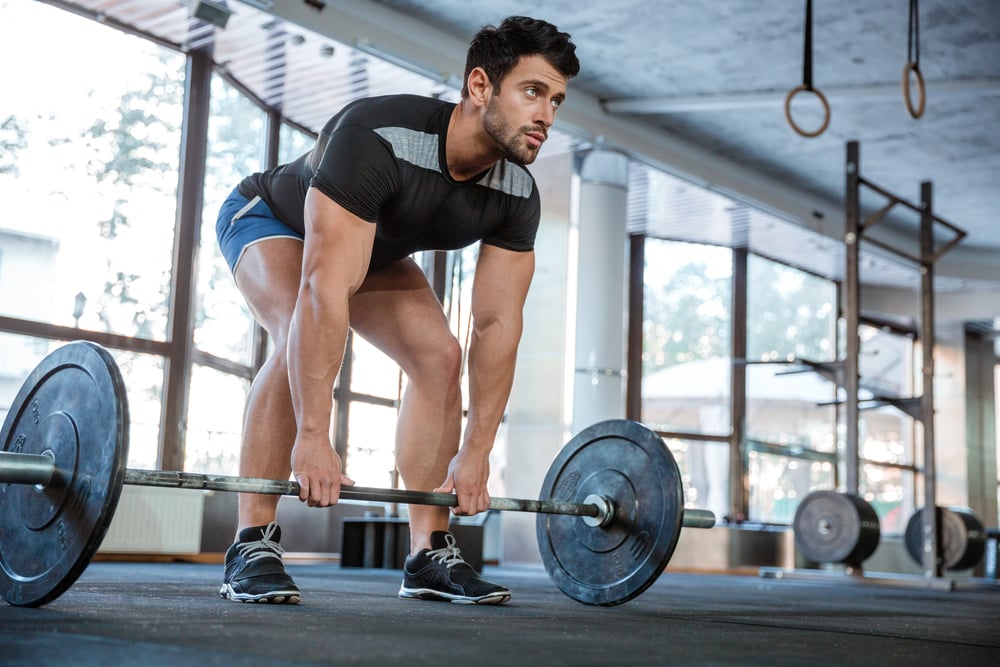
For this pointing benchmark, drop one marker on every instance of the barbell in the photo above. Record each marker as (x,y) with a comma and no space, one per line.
(609,512)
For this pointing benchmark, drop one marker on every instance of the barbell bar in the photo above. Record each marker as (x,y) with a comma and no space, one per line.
(609,512)
(40,470)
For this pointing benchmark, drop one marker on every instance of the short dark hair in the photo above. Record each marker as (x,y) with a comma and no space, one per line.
(497,50)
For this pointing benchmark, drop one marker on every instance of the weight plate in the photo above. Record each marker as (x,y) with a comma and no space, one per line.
(73,408)
(629,464)
(961,535)
(832,527)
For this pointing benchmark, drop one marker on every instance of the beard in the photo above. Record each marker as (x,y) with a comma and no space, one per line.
(509,140)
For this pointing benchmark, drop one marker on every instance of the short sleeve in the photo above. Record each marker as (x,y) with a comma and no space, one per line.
(358,171)
(518,231)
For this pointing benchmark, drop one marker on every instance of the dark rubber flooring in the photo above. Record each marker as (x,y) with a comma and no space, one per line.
(170,614)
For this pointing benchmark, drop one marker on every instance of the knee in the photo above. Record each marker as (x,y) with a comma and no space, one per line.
(439,365)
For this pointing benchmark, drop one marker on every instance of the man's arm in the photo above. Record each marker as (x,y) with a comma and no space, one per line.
(498,295)
(336,253)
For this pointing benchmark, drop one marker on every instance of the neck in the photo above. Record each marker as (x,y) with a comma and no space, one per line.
(468,149)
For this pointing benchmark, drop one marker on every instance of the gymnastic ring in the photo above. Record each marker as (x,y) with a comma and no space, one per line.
(922,91)
(788,110)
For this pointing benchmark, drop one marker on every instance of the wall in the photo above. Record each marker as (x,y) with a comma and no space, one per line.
(535,426)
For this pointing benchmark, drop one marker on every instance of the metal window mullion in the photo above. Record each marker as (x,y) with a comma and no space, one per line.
(177,370)
(739,485)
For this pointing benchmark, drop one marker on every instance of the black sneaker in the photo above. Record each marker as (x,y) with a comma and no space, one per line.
(440,573)
(254,570)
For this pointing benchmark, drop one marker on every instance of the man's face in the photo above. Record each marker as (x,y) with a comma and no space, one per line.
(518,115)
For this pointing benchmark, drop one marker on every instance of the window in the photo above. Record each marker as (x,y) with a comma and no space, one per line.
(215,422)
(89,191)
(704,470)
(791,324)
(686,337)
(223,324)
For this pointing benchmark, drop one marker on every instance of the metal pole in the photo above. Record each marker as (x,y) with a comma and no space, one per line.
(16,468)
(933,567)
(852,316)
(190,480)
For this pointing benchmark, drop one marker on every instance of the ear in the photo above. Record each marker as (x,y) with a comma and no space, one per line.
(480,87)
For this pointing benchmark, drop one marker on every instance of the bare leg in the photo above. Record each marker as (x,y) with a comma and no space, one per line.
(396,311)
(268,276)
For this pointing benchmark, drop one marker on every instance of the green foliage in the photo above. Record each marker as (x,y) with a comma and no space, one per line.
(688,316)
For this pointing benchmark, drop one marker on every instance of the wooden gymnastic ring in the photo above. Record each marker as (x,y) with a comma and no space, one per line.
(922,91)
(788,110)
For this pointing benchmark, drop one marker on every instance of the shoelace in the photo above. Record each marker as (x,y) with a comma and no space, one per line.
(449,554)
(264,547)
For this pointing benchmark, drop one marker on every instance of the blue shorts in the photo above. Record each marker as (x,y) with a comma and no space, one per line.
(243,222)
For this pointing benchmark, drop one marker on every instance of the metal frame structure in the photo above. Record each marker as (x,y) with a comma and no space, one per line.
(856,225)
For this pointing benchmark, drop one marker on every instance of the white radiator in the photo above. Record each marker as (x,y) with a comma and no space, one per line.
(156,521)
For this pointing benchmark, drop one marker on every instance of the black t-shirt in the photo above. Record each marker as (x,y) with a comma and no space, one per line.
(383,159)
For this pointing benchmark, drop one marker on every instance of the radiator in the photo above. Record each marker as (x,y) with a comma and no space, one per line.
(155,520)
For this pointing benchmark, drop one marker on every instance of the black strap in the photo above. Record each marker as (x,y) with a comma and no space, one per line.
(913,36)
(807,48)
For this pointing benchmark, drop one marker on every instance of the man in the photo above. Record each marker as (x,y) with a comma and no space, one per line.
(322,244)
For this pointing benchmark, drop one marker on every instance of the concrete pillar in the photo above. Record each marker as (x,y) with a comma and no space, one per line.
(598,338)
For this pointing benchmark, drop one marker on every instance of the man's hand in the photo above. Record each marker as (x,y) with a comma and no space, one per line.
(467,476)
(317,469)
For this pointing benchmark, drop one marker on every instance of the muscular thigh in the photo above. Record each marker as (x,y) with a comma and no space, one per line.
(268,276)
(396,311)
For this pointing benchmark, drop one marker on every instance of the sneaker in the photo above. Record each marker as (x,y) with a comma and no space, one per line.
(440,573)
(254,570)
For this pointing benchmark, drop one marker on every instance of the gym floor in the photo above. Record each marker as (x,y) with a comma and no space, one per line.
(170,614)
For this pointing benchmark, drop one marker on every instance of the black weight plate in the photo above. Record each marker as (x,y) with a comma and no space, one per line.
(73,408)
(832,527)
(628,463)
(962,537)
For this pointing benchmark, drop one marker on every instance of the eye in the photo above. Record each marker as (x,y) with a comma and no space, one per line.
(531,92)
(556,102)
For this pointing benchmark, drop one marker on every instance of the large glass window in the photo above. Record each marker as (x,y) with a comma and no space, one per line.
(779,480)
(791,381)
(215,422)
(686,337)
(223,325)
(704,470)
(89,173)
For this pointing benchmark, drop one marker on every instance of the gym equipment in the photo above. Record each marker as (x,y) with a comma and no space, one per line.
(961,535)
(833,527)
(615,487)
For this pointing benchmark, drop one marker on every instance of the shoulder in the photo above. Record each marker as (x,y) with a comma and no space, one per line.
(406,111)
(510,178)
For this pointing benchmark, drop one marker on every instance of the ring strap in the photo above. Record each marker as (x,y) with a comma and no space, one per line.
(807,47)
(913,36)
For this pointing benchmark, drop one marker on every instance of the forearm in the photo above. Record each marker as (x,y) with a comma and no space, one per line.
(492,356)
(316,341)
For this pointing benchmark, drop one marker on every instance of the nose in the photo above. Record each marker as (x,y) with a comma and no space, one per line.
(546,116)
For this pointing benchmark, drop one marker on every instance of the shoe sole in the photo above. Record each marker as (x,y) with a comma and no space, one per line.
(429,594)
(274,597)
